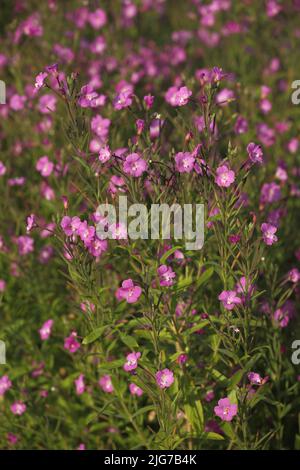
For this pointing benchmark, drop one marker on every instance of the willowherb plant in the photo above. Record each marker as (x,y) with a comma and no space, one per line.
(142,342)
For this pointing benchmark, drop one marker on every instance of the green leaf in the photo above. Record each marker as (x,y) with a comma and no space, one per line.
(95,334)
(129,341)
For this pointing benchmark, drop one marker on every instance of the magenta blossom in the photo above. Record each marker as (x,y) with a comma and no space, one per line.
(5,384)
(129,291)
(79,384)
(123,99)
(184,162)
(178,96)
(135,390)
(131,361)
(255,153)
(25,244)
(166,275)
(229,299)
(134,165)
(30,221)
(225,410)
(269,231)
(164,378)
(71,344)
(224,176)
(45,330)
(255,378)
(18,408)
(45,166)
(70,225)
(294,275)
(104,154)
(106,384)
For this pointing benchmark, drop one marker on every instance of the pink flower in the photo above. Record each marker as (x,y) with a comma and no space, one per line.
(149,100)
(129,291)
(229,299)
(2,285)
(123,99)
(2,169)
(255,153)
(270,192)
(18,408)
(86,232)
(79,384)
(184,162)
(45,331)
(269,231)
(89,98)
(106,384)
(30,222)
(166,275)
(135,390)
(283,315)
(47,104)
(131,361)
(5,384)
(97,18)
(71,344)
(70,225)
(224,176)
(164,378)
(44,166)
(255,378)
(39,80)
(294,275)
(134,165)
(104,154)
(178,96)
(225,410)
(25,244)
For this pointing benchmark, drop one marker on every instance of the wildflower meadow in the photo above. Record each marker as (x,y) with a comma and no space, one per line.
(149,225)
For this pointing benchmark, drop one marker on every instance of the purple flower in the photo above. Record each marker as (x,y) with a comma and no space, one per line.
(164,378)
(135,390)
(184,162)
(45,330)
(131,361)
(166,275)
(104,154)
(5,384)
(47,104)
(129,291)
(25,244)
(255,153)
(44,166)
(71,344)
(134,165)
(255,378)
(270,192)
(70,225)
(86,232)
(97,18)
(89,98)
(39,80)
(294,275)
(30,221)
(2,169)
(123,99)
(79,384)
(269,231)
(18,408)
(106,384)
(283,314)
(229,299)
(225,410)
(178,96)
(241,125)
(149,100)
(224,176)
